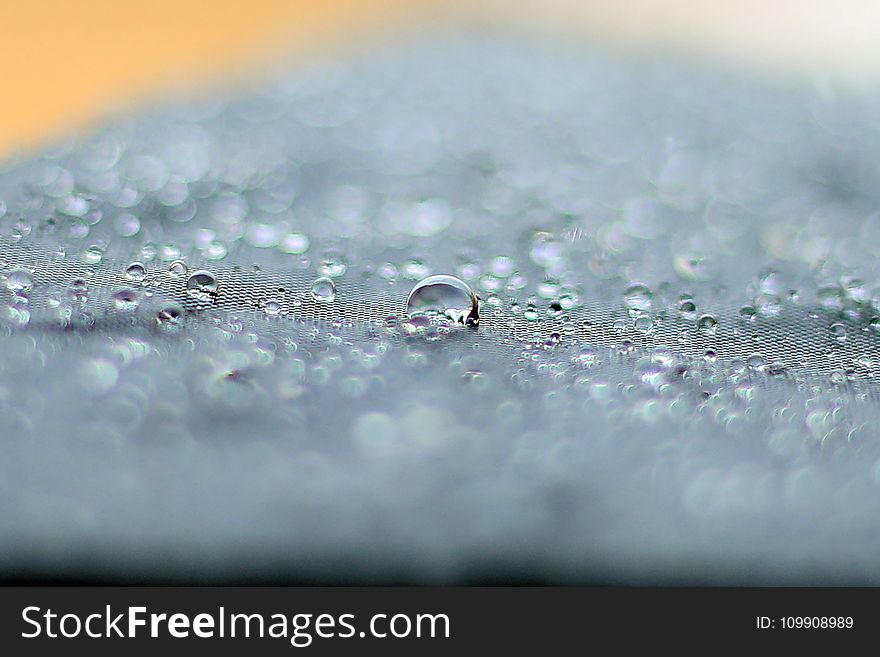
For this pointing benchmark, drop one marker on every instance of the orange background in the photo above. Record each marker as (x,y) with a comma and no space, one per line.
(65,62)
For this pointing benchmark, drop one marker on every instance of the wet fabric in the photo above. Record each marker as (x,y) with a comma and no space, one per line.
(207,368)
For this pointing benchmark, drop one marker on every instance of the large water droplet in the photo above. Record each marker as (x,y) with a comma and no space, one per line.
(324,290)
(135,272)
(707,325)
(444,296)
(202,285)
(19,280)
(177,268)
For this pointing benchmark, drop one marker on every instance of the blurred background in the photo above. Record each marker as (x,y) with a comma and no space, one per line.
(65,63)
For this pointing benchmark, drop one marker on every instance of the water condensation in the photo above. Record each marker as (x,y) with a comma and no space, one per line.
(206,366)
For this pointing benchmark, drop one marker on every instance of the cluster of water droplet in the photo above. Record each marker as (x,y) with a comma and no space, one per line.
(403,303)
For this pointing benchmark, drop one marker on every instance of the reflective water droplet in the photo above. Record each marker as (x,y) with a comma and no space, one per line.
(692,268)
(767,305)
(98,376)
(637,298)
(530,312)
(644,324)
(127,225)
(19,280)
(135,272)
(545,251)
(170,318)
(15,315)
(324,290)
(79,290)
(756,361)
(444,296)
(294,243)
(830,297)
(125,299)
(333,265)
(838,330)
(177,268)
(687,307)
(202,285)
(707,324)
(92,255)
(272,308)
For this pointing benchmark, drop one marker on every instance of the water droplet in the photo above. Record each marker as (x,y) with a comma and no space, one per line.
(170,318)
(127,225)
(757,361)
(545,251)
(637,298)
(294,243)
(177,268)
(693,268)
(838,330)
(324,290)
(333,265)
(830,297)
(98,376)
(15,315)
(644,324)
(125,299)
(446,296)
(135,272)
(79,290)
(687,307)
(272,308)
(707,324)
(19,280)
(767,305)
(92,255)
(202,286)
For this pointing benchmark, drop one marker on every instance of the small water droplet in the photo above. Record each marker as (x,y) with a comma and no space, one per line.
(202,285)
(79,290)
(333,265)
(838,330)
(446,296)
(135,272)
(324,290)
(125,299)
(170,318)
(757,361)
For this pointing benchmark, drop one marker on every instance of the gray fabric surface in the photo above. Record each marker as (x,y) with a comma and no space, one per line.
(673,379)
